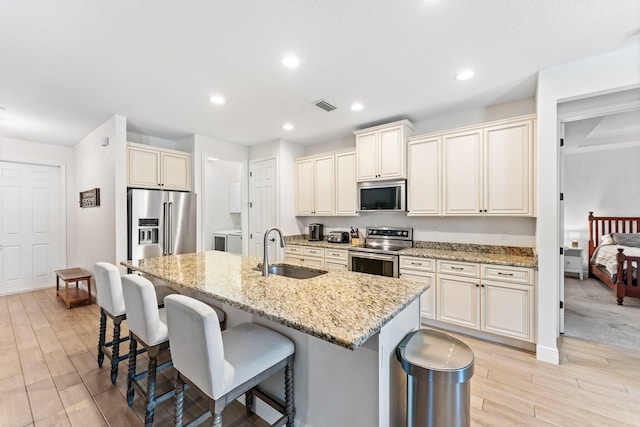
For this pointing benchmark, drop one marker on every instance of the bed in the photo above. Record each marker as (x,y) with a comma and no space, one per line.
(614,253)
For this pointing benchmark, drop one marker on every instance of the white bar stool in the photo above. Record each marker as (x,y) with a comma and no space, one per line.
(109,298)
(224,365)
(146,325)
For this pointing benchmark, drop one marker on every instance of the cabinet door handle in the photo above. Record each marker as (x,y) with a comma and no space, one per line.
(477,285)
(482,286)
(457,268)
(505,274)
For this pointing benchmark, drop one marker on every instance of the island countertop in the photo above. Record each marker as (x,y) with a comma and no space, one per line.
(341,307)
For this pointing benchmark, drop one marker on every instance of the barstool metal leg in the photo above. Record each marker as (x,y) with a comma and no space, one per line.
(115,349)
(179,401)
(133,345)
(101,336)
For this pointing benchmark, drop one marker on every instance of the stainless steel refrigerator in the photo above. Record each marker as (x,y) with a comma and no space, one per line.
(160,223)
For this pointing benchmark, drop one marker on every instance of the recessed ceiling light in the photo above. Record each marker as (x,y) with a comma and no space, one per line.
(212,159)
(464,75)
(290,61)
(287,126)
(217,99)
(357,106)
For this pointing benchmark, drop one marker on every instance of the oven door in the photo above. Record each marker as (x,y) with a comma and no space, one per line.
(372,263)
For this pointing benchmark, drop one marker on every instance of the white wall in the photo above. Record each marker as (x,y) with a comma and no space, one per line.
(605,174)
(101,232)
(609,72)
(14,150)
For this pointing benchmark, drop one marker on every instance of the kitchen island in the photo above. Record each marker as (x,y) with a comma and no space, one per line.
(345,326)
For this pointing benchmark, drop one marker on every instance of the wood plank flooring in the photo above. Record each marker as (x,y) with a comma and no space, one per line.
(49,376)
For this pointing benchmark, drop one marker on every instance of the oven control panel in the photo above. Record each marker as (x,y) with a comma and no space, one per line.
(390,233)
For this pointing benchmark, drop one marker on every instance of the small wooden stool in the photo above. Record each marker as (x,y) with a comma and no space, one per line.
(74,295)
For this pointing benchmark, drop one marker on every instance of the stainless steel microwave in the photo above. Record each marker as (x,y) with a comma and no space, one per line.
(378,196)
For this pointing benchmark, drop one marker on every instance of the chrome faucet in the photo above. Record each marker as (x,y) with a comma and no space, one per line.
(265,247)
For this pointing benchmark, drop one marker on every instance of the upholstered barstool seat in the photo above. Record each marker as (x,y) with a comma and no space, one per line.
(147,326)
(224,365)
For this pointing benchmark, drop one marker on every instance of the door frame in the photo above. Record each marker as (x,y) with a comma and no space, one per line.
(63,205)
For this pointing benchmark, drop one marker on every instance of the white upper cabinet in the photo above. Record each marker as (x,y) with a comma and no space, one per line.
(423,176)
(151,167)
(324,188)
(508,169)
(346,184)
(381,151)
(462,164)
(488,169)
(315,186)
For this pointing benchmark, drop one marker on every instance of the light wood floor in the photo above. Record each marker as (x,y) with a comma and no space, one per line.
(49,376)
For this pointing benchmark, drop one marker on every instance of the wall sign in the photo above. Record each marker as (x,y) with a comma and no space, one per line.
(90,198)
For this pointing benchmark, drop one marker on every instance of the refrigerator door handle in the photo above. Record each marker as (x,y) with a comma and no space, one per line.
(170,230)
(164,226)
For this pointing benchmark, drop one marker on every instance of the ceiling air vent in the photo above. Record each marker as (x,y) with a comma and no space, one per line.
(324,105)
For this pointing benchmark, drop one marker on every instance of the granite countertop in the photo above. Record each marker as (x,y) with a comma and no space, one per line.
(341,307)
(477,257)
(483,254)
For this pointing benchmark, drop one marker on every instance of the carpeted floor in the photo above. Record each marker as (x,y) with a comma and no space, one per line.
(592,314)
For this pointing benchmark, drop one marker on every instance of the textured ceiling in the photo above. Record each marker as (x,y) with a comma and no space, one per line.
(66,66)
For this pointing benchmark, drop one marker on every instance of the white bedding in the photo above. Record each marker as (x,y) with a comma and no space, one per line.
(606,256)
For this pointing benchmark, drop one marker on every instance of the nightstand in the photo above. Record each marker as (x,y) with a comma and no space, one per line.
(573,261)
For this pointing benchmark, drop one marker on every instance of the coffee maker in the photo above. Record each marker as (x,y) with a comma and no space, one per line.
(315,232)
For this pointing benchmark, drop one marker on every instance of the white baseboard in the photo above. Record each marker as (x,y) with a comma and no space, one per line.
(22,291)
(548,354)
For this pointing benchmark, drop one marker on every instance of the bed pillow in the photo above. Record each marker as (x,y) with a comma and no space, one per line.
(626,239)
(606,239)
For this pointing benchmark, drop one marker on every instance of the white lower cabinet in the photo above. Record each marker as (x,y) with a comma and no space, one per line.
(336,259)
(507,309)
(499,299)
(421,270)
(305,256)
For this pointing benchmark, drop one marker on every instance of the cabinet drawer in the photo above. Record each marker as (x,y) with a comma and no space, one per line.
(290,249)
(416,263)
(572,263)
(458,268)
(333,265)
(314,252)
(293,259)
(508,274)
(336,254)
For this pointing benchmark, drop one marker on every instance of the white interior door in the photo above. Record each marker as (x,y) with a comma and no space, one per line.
(30,226)
(262,204)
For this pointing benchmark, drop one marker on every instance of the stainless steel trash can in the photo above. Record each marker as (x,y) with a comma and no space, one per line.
(439,368)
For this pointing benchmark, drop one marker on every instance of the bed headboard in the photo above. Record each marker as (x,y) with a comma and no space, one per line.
(601,225)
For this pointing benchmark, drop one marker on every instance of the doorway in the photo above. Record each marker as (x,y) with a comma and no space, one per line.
(600,155)
(31,226)
(224,206)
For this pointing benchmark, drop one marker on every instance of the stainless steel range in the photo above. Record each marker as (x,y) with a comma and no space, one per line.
(380,254)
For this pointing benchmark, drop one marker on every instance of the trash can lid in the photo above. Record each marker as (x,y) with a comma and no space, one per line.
(436,356)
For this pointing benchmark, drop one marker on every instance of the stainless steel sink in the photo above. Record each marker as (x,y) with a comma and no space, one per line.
(292,271)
